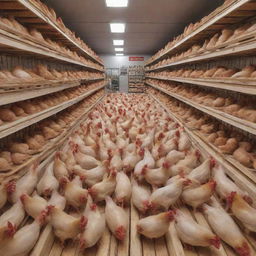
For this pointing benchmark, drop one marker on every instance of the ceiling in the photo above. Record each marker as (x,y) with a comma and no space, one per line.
(150,24)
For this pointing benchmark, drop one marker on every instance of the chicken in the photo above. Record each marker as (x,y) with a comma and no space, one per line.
(59,169)
(140,196)
(74,193)
(48,182)
(104,188)
(164,197)
(11,219)
(155,226)
(116,218)
(95,225)
(123,189)
(192,233)
(25,184)
(202,173)
(23,241)
(158,176)
(148,160)
(224,185)
(197,195)
(85,161)
(184,142)
(243,211)
(65,226)
(57,200)
(225,227)
(33,206)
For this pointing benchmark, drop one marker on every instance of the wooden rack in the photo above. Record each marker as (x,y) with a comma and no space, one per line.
(37,91)
(13,43)
(49,149)
(235,12)
(21,123)
(246,86)
(29,14)
(222,116)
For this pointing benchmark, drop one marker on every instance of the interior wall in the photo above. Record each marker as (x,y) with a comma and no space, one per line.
(112,61)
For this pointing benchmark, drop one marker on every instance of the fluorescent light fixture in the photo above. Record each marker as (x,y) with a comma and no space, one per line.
(117,3)
(117,27)
(119,49)
(118,42)
(119,54)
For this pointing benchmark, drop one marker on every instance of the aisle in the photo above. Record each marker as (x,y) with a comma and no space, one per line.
(133,123)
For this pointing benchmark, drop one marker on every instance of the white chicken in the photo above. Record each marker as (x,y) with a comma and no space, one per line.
(116,218)
(155,226)
(95,225)
(25,184)
(123,189)
(192,233)
(48,182)
(226,228)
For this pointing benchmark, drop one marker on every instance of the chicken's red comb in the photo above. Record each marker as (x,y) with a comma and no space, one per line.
(230,198)
(11,187)
(144,169)
(83,222)
(23,197)
(120,233)
(212,162)
(215,242)
(166,165)
(244,250)
(93,207)
(212,184)
(11,229)
(170,214)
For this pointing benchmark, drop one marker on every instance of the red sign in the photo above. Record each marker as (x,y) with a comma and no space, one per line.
(136,58)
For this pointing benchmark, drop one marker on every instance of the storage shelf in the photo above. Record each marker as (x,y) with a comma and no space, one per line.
(28,13)
(8,40)
(222,116)
(51,147)
(237,174)
(214,24)
(245,86)
(11,97)
(232,49)
(15,126)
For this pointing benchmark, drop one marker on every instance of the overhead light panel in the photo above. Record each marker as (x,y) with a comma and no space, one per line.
(117,27)
(119,54)
(119,49)
(117,3)
(118,42)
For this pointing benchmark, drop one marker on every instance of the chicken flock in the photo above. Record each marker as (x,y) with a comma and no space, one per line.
(226,36)
(228,141)
(48,44)
(128,151)
(17,151)
(42,74)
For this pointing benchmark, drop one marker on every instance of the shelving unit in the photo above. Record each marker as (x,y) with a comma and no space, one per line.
(30,14)
(136,76)
(244,86)
(233,12)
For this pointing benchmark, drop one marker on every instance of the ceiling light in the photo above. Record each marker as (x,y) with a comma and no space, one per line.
(117,27)
(118,42)
(119,49)
(117,3)
(119,54)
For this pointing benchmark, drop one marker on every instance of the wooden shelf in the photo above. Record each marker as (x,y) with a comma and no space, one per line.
(236,49)
(50,148)
(18,44)
(222,116)
(243,180)
(246,86)
(29,93)
(237,11)
(30,15)
(21,123)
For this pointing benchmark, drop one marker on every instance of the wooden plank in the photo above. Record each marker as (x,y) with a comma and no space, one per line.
(135,243)
(148,246)
(56,249)
(113,246)
(104,244)
(161,247)
(123,247)
(34,10)
(69,249)
(10,128)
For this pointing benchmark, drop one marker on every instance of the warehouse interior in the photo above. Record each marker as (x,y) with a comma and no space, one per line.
(127,128)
